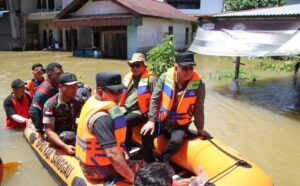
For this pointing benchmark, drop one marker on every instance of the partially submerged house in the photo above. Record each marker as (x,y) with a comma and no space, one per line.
(121,27)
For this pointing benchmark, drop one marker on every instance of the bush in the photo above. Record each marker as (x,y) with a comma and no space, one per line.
(266,64)
(244,75)
(162,56)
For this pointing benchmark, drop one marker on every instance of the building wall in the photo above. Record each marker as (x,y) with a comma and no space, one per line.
(100,8)
(5,34)
(153,31)
(66,2)
(48,25)
(131,40)
(206,7)
(29,6)
(291,2)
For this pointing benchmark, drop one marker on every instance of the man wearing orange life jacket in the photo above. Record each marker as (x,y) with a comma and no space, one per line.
(17,105)
(178,96)
(38,78)
(101,133)
(137,90)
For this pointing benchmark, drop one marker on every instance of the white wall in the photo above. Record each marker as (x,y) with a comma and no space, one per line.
(206,7)
(66,2)
(48,25)
(100,8)
(29,6)
(153,31)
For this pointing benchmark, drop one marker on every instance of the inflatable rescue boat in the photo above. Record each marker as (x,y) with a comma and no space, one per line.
(224,166)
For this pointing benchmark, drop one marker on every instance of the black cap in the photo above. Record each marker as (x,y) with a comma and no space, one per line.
(109,80)
(17,83)
(184,59)
(67,79)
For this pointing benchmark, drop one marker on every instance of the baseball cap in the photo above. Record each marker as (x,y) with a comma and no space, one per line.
(67,79)
(184,59)
(17,83)
(109,80)
(138,57)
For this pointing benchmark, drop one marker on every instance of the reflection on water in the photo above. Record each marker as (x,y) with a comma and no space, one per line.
(254,122)
(279,95)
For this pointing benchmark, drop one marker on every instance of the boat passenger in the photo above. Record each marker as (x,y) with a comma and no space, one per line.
(16,106)
(38,78)
(178,96)
(83,91)
(154,174)
(46,90)
(61,112)
(137,90)
(101,133)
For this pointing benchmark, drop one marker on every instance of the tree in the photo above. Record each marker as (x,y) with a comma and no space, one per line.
(162,56)
(235,5)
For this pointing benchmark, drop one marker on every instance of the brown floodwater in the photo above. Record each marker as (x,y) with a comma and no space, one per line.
(262,121)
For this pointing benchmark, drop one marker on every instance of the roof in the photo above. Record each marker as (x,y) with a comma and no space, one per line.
(150,8)
(288,10)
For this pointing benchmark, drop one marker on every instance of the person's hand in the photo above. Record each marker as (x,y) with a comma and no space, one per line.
(28,122)
(184,182)
(148,127)
(87,87)
(203,134)
(70,149)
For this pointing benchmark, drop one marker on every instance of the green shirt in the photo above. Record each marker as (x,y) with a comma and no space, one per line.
(131,101)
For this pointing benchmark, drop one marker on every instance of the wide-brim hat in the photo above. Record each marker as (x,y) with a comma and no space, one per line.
(137,57)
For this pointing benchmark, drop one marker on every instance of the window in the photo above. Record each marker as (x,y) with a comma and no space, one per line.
(185,4)
(3,5)
(187,32)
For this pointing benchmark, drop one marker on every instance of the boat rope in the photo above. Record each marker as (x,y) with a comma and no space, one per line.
(239,162)
(209,183)
(243,163)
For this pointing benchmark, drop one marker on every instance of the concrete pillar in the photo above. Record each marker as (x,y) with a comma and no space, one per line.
(64,39)
(131,40)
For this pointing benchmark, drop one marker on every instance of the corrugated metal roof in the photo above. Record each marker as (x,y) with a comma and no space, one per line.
(288,10)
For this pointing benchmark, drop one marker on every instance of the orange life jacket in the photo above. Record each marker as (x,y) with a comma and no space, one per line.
(32,86)
(21,109)
(88,149)
(143,91)
(186,104)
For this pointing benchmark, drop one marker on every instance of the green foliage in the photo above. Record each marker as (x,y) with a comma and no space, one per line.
(266,64)
(235,5)
(162,56)
(245,75)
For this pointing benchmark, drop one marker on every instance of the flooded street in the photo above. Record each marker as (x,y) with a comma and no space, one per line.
(262,121)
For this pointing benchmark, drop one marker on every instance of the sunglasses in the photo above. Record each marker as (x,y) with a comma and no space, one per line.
(187,68)
(135,65)
(114,92)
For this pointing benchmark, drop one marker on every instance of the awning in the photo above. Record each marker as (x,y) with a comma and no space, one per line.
(3,12)
(94,21)
(248,38)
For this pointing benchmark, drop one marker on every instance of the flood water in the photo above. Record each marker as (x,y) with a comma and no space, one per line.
(262,121)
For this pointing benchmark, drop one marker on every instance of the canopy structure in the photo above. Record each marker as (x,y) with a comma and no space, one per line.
(258,32)
(248,38)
